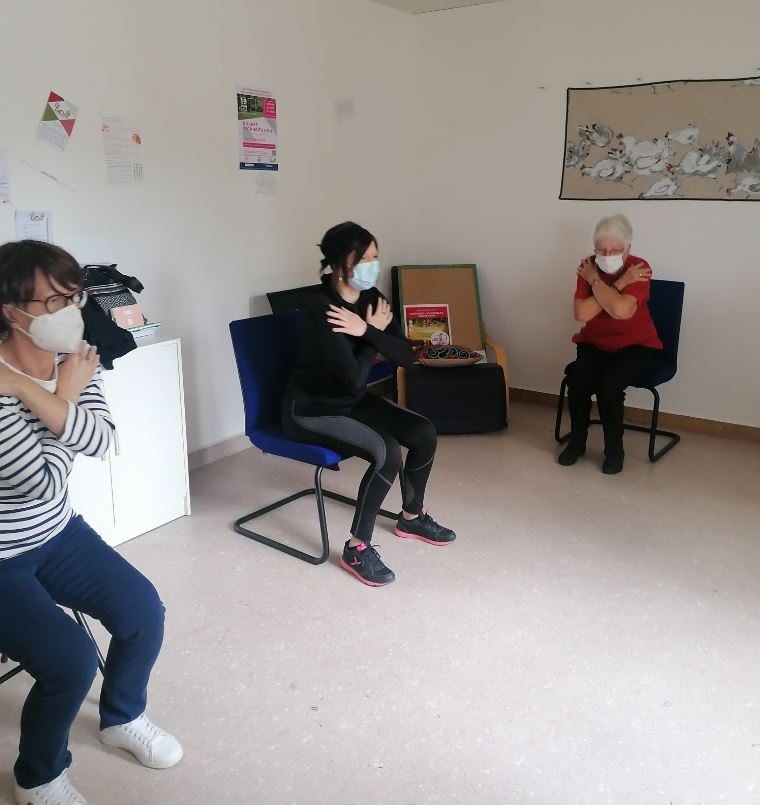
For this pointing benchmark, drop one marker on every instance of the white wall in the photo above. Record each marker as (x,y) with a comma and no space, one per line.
(455,154)
(488,163)
(195,232)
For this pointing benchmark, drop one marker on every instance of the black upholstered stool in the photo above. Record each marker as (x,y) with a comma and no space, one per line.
(468,399)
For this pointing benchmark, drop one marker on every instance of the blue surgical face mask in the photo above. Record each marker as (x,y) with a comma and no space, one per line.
(365,275)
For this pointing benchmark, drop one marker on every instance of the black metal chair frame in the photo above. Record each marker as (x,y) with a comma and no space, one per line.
(320,495)
(652,430)
(79,618)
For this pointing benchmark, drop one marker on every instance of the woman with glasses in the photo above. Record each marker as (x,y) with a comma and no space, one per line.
(617,341)
(51,409)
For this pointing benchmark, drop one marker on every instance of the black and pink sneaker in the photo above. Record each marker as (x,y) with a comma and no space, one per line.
(424,528)
(365,563)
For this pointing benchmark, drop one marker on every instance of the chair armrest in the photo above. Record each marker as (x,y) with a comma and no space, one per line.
(401,386)
(501,358)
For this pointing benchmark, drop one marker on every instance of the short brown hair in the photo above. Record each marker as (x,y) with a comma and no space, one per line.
(19,262)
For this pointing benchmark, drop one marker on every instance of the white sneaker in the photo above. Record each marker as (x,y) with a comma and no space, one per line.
(152,746)
(57,792)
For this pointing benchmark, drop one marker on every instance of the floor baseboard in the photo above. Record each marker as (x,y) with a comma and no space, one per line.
(215,452)
(641,416)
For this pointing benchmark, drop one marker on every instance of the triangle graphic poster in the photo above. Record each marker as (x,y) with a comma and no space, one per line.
(57,123)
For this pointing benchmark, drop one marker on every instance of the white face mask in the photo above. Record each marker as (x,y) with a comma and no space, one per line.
(610,264)
(61,331)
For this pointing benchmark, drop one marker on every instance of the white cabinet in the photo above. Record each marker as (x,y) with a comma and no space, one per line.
(142,482)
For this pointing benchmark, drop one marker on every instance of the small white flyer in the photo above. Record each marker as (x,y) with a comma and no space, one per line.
(123,150)
(345,109)
(34,225)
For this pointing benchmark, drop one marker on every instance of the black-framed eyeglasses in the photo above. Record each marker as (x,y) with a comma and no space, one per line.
(61,300)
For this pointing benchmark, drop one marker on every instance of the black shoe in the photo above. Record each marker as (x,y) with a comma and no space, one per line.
(570,455)
(365,563)
(424,528)
(612,465)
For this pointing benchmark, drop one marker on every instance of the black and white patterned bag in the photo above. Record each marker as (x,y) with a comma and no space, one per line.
(109,288)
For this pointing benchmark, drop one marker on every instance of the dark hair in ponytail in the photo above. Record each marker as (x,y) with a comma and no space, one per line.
(343,242)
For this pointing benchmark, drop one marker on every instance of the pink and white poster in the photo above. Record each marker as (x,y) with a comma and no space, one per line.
(257,129)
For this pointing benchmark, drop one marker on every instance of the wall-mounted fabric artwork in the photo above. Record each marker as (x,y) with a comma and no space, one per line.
(667,140)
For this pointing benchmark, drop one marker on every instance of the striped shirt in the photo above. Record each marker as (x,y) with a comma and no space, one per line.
(35,465)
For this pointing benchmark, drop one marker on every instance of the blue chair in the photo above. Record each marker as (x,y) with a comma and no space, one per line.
(266,351)
(665,307)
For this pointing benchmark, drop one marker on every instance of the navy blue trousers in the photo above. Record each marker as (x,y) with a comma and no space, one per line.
(77,570)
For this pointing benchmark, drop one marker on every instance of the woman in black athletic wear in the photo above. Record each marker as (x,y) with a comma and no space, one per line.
(327,403)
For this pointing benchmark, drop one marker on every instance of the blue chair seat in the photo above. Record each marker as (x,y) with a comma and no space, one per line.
(273,440)
(659,371)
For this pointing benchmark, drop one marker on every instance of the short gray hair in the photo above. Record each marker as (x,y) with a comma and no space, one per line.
(615,226)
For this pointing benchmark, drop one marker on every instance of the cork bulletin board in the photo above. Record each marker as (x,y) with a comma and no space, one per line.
(452,285)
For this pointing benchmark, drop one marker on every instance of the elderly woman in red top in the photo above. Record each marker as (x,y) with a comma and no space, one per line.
(616,342)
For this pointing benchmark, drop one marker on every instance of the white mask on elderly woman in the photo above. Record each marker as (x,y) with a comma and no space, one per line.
(609,263)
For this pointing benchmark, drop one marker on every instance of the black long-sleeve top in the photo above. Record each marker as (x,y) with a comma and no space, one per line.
(331,374)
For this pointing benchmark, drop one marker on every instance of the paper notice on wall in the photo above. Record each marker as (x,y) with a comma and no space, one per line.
(57,123)
(123,150)
(266,184)
(345,109)
(257,129)
(34,225)
(5,181)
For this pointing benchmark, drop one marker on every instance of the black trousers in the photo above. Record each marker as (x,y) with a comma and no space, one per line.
(605,374)
(375,429)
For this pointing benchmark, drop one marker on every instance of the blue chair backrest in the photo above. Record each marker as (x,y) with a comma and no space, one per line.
(666,307)
(266,351)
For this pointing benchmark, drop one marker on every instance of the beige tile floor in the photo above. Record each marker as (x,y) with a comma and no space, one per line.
(588,639)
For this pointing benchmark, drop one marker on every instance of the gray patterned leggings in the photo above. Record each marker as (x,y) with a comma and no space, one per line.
(374,430)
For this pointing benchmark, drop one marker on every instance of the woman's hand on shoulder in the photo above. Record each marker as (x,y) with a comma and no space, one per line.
(638,272)
(588,270)
(346,321)
(76,371)
(381,316)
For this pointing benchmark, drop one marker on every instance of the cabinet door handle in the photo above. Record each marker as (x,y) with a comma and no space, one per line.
(116,446)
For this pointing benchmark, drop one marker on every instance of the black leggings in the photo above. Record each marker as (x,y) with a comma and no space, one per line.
(374,430)
(605,374)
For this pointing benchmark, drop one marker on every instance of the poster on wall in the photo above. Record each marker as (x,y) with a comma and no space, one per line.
(257,129)
(123,151)
(666,140)
(34,225)
(57,123)
(428,323)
